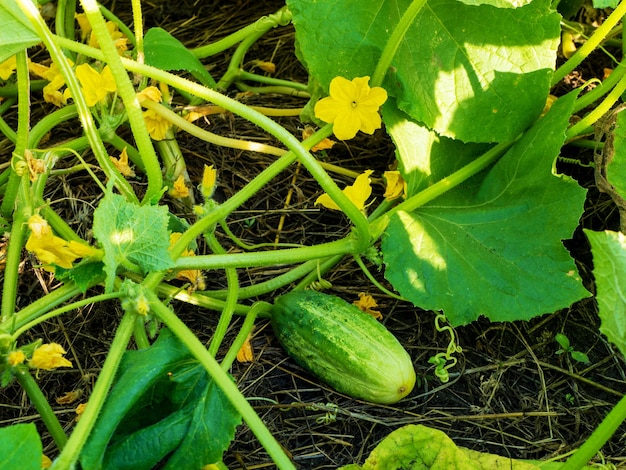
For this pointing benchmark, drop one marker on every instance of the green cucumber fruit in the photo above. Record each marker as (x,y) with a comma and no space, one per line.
(345,347)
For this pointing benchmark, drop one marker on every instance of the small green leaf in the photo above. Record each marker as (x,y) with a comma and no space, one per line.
(562,340)
(17,33)
(609,261)
(84,274)
(133,236)
(166,52)
(20,447)
(494,248)
(580,357)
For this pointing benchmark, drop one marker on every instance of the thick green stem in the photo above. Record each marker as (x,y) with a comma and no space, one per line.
(591,44)
(43,407)
(394,41)
(68,458)
(127,93)
(244,331)
(598,438)
(221,379)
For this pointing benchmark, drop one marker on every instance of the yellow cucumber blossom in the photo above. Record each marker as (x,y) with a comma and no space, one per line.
(366,303)
(52,91)
(48,357)
(209,177)
(122,165)
(8,67)
(358,193)
(15,358)
(352,106)
(53,250)
(96,85)
(156,124)
(192,275)
(395,185)
(120,41)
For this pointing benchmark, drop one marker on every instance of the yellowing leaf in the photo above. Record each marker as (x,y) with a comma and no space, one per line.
(358,193)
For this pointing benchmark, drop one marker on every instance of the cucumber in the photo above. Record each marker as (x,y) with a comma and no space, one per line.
(343,346)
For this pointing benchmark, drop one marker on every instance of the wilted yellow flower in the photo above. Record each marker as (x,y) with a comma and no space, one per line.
(395,185)
(8,67)
(323,145)
(358,193)
(192,275)
(80,409)
(180,189)
(15,358)
(209,177)
(366,303)
(121,164)
(120,41)
(48,357)
(95,85)
(53,250)
(245,353)
(352,106)
(157,125)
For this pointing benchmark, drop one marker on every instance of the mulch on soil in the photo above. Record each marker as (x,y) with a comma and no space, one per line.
(510,394)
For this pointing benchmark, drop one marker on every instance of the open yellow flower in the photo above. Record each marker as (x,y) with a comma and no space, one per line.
(156,124)
(52,91)
(352,106)
(96,85)
(122,165)
(395,185)
(15,358)
(358,193)
(48,357)
(53,250)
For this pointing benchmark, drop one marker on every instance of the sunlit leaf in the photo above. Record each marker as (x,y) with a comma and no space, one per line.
(17,34)
(20,447)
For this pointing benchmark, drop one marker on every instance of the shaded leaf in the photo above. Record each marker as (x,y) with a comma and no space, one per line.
(132,236)
(166,52)
(495,249)
(475,73)
(609,261)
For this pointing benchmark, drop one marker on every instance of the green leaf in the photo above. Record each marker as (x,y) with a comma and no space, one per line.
(474,73)
(20,447)
(133,236)
(609,261)
(17,33)
(616,167)
(162,406)
(417,447)
(166,52)
(494,248)
(600,4)
(84,275)
(498,3)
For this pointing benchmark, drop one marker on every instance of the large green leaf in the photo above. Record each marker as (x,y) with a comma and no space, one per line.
(16,33)
(20,447)
(493,247)
(475,73)
(162,406)
(609,270)
(135,237)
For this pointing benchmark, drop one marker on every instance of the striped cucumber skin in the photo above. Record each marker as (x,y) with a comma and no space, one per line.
(345,347)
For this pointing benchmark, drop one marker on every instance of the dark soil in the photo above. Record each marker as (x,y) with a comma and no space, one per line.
(510,394)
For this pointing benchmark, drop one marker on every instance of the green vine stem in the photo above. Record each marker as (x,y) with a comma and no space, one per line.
(54,48)
(591,44)
(281,18)
(394,41)
(602,89)
(221,379)
(126,91)
(43,407)
(598,438)
(69,456)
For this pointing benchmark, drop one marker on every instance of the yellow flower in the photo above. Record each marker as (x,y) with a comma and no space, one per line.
(80,409)
(209,177)
(48,357)
(51,92)
(352,106)
(151,93)
(180,189)
(366,303)
(45,461)
(8,67)
(96,86)
(358,193)
(121,164)
(51,249)
(156,124)
(395,185)
(120,41)
(15,358)
(245,353)
(325,144)
(83,24)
